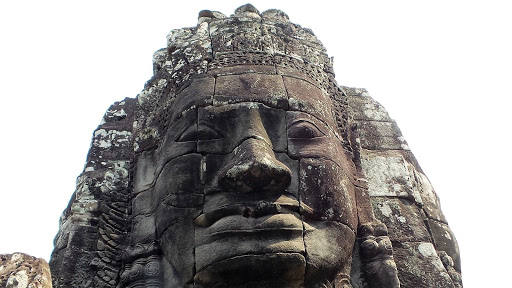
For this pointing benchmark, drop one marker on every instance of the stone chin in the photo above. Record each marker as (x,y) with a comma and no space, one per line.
(243,246)
(262,270)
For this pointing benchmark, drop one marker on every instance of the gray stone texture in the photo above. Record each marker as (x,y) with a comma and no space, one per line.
(19,270)
(243,163)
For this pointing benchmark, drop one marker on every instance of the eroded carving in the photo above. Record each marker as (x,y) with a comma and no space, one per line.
(377,256)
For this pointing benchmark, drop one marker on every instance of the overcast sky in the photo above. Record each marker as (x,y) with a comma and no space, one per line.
(441,68)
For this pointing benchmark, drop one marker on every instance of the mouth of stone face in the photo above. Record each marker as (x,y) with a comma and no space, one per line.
(235,236)
(276,226)
(252,228)
(261,220)
(252,210)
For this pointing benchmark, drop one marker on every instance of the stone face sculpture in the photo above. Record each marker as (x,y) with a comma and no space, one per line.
(243,164)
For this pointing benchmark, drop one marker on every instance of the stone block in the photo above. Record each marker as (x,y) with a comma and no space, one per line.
(144,171)
(375,135)
(178,250)
(245,35)
(143,229)
(242,69)
(419,265)
(389,174)
(251,87)
(366,108)
(197,93)
(403,219)
(445,241)
(306,97)
(429,198)
(144,203)
(19,270)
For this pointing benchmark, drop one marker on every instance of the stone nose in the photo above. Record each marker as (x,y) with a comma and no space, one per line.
(254,167)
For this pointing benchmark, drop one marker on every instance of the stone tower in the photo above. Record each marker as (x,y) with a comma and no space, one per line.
(243,163)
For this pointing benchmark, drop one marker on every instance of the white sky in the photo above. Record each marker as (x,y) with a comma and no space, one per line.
(441,68)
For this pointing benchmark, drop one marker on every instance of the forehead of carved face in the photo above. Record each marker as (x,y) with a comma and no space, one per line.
(252,173)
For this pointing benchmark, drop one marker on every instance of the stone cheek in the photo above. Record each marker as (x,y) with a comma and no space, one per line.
(326,192)
(143,229)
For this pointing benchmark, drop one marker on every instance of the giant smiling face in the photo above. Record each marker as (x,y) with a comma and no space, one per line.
(252,185)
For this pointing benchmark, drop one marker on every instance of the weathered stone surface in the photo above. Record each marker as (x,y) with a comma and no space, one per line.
(19,270)
(251,87)
(320,239)
(376,135)
(445,241)
(370,110)
(325,192)
(403,219)
(419,265)
(243,164)
(306,97)
(390,174)
(178,247)
(377,261)
(429,198)
(216,122)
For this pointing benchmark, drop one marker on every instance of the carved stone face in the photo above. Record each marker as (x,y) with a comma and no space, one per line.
(252,185)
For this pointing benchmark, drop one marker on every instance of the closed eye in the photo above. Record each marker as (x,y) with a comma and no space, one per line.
(199,133)
(304,130)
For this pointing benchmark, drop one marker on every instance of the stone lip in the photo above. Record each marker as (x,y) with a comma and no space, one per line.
(254,210)
(268,227)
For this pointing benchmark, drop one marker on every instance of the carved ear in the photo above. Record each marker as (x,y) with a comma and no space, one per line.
(376,254)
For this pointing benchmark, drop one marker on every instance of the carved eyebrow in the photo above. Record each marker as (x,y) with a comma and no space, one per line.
(303,129)
(299,120)
(313,119)
(199,132)
(319,124)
